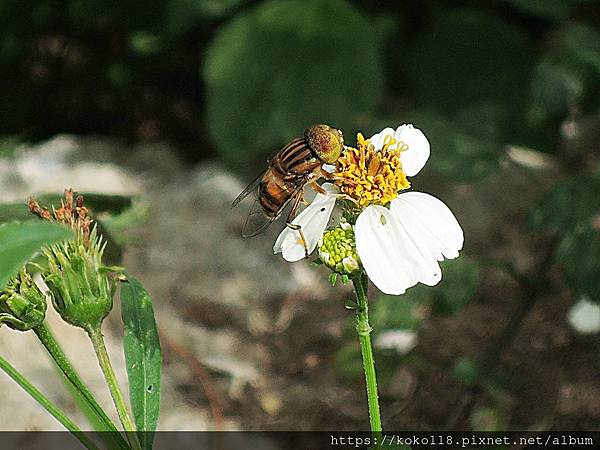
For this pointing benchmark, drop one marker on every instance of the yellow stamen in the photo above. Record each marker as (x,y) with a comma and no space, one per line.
(372,176)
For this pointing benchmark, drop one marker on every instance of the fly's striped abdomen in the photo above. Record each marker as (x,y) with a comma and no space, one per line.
(273,193)
(293,158)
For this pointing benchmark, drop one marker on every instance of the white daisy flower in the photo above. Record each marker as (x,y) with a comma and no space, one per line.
(399,236)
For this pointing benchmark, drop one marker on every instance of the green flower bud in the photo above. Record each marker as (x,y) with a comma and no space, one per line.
(80,286)
(22,304)
(337,249)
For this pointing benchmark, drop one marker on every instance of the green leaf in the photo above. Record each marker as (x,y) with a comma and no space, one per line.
(461,153)
(19,242)
(569,73)
(572,203)
(143,357)
(579,255)
(393,312)
(260,93)
(459,285)
(571,210)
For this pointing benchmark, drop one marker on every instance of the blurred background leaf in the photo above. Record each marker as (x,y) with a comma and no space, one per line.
(261,93)
(548,9)
(20,241)
(568,74)
(458,74)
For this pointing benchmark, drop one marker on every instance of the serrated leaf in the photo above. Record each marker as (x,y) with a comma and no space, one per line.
(20,241)
(143,357)
(328,71)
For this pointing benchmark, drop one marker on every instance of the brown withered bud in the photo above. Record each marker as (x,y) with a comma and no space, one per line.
(35,208)
(72,213)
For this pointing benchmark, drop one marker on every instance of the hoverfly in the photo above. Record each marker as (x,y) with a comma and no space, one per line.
(294,166)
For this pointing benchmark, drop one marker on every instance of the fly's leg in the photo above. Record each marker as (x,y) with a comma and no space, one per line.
(293,226)
(316,187)
(320,190)
(326,175)
(298,228)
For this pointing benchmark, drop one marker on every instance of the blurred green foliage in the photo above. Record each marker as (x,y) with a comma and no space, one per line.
(568,74)
(548,9)
(473,63)
(262,93)
(480,76)
(571,211)
(459,286)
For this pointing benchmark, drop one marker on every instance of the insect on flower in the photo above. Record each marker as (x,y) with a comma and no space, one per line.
(398,237)
(294,166)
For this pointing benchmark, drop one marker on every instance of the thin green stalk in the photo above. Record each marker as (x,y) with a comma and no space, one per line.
(111,380)
(56,412)
(364,335)
(47,339)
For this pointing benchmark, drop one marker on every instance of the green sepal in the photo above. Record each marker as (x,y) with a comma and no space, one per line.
(316,262)
(333,278)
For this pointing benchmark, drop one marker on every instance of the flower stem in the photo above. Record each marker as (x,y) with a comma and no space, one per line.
(97,339)
(56,412)
(53,348)
(364,335)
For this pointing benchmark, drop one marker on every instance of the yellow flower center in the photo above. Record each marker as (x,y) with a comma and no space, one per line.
(372,176)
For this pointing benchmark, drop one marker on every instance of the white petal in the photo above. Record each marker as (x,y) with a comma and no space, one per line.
(429,223)
(313,221)
(418,151)
(389,256)
(329,168)
(378,139)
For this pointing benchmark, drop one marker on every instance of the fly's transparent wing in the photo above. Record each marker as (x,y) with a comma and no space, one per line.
(250,189)
(257,221)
